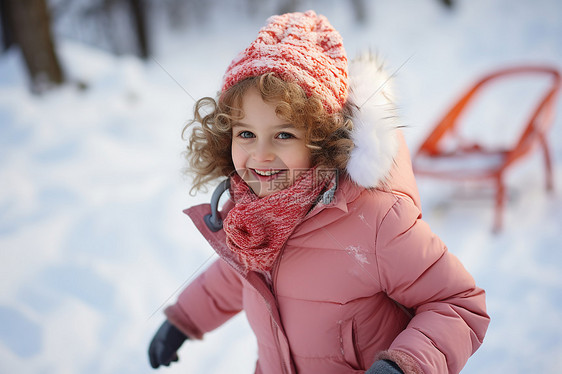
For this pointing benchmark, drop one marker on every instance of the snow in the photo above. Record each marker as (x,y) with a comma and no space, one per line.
(358,254)
(92,239)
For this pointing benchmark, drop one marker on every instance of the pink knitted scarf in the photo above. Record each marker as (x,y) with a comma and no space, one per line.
(257,228)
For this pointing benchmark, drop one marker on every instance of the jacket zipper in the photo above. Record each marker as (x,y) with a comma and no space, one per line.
(274,273)
(276,329)
(283,364)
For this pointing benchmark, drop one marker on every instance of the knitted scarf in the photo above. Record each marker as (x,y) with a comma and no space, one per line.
(257,228)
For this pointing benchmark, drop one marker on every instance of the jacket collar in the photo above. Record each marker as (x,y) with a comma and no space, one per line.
(202,216)
(346,191)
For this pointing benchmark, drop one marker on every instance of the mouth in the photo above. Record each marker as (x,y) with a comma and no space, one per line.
(266,173)
(266,181)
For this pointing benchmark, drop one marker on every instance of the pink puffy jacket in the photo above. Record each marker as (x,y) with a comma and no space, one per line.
(361,279)
(358,280)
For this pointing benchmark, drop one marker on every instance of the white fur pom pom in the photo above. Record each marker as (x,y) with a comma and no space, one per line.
(374,123)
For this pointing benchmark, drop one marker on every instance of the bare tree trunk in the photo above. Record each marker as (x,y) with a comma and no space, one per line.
(7,29)
(139,20)
(29,21)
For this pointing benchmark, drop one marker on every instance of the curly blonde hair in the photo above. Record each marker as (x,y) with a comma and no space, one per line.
(327,135)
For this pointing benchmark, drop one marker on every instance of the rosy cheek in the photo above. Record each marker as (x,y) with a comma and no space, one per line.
(235,159)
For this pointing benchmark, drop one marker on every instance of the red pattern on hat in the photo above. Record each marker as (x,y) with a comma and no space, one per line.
(299,47)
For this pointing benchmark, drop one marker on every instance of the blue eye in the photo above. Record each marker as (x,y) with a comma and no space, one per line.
(285,135)
(246,134)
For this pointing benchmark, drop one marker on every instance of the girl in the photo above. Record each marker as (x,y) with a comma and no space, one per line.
(322,243)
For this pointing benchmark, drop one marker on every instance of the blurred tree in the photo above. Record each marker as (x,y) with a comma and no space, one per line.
(360,10)
(122,25)
(27,24)
(181,13)
(358,7)
(288,6)
(118,26)
(7,33)
(138,12)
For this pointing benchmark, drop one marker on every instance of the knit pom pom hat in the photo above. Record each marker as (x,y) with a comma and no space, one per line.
(299,47)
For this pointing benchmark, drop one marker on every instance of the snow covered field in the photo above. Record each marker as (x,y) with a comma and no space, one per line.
(92,239)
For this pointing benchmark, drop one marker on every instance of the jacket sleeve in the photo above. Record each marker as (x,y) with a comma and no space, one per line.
(210,300)
(416,270)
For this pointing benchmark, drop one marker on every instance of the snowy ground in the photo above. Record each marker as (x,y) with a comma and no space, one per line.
(93,241)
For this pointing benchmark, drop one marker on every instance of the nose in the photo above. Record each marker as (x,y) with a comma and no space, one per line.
(263,151)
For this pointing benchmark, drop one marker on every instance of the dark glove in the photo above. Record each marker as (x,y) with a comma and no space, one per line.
(384,367)
(164,345)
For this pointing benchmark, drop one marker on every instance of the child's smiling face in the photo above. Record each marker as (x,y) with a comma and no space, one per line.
(268,152)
